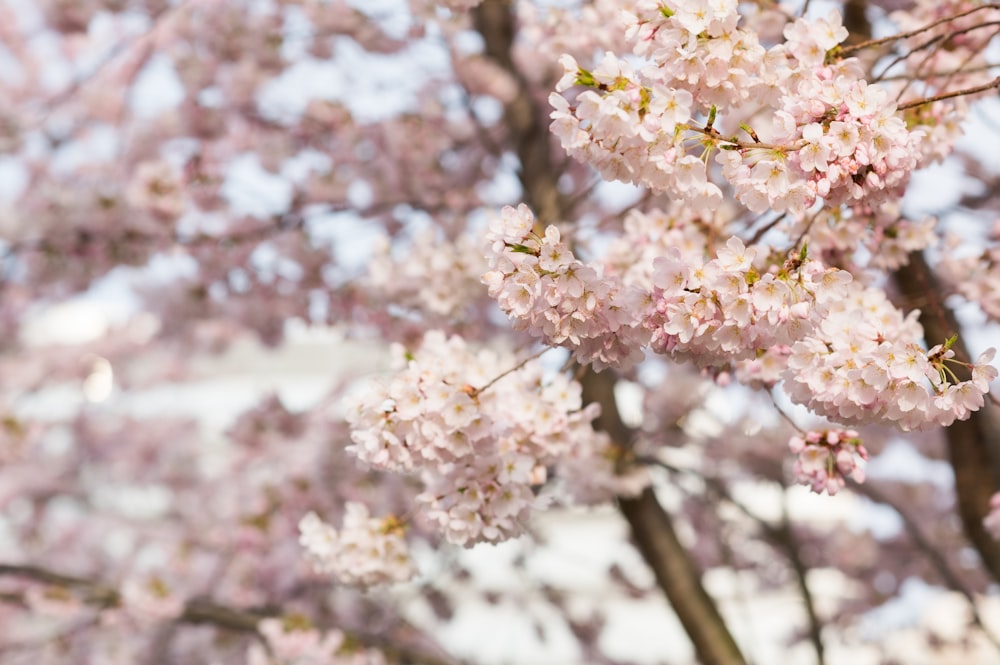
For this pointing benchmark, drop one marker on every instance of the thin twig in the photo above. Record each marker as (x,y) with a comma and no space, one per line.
(477,391)
(995,83)
(938,42)
(933,554)
(904,35)
(784,415)
(780,536)
(764,229)
(943,74)
(786,538)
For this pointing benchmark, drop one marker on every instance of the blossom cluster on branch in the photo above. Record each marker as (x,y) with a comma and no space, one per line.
(366,551)
(866,364)
(482,433)
(829,135)
(725,310)
(293,640)
(841,348)
(547,291)
(824,460)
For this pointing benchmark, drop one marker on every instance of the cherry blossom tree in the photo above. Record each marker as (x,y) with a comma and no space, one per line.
(669,261)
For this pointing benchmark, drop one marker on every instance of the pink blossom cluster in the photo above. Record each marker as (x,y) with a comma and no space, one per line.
(149,598)
(480,430)
(724,309)
(863,364)
(547,291)
(17,435)
(975,277)
(157,187)
(547,31)
(968,36)
(596,474)
(697,46)
(366,551)
(827,458)
(829,134)
(412,278)
(53,602)
(844,141)
(835,138)
(293,640)
(649,234)
(764,370)
(631,132)
(884,236)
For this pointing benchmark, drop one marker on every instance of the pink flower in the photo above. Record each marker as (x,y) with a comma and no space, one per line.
(825,459)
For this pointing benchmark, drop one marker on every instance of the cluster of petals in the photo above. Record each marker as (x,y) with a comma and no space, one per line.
(157,188)
(838,137)
(696,46)
(965,59)
(546,31)
(825,459)
(630,131)
(976,277)
(547,291)
(595,474)
(293,640)
(53,601)
(480,431)
(648,234)
(828,134)
(886,236)
(964,40)
(150,598)
(864,364)
(723,310)
(411,278)
(366,551)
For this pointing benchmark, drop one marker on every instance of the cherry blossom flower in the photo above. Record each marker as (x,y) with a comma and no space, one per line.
(825,459)
(366,551)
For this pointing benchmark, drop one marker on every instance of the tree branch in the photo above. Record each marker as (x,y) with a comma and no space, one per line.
(494,20)
(780,536)
(973,444)
(680,580)
(656,539)
(205,611)
(868,43)
(995,83)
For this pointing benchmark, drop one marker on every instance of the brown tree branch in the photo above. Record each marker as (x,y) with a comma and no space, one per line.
(657,541)
(781,538)
(680,580)
(206,611)
(494,20)
(868,43)
(995,83)
(973,444)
